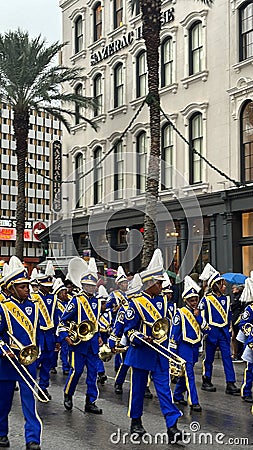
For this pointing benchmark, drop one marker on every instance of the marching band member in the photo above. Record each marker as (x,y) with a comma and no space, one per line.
(117,298)
(185,339)
(168,292)
(215,308)
(83,307)
(246,327)
(144,310)
(48,324)
(61,294)
(18,316)
(105,323)
(134,287)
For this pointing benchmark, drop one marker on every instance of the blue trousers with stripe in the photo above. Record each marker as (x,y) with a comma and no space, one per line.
(187,383)
(33,424)
(139,378)
(224,346)
(78,362)
(64,355)
(246,389)
(45,362)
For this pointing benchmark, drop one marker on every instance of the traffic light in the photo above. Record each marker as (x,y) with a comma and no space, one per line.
(45,249)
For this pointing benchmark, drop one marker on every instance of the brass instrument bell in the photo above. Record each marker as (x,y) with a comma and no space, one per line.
(105,353)
(160,329)
(27,353)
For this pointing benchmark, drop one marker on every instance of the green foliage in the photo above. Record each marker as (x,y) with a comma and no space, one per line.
(29,78)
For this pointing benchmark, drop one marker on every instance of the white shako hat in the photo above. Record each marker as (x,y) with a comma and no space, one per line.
(102,293)
(91,275)
(191,289)
(167,283)
(58,286)
(155,269)
(17,273)
(210,274)
(134,285)
(121,275)
(247,293)
(5,273)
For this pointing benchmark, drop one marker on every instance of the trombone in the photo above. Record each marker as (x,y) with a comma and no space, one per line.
(159,330)
(25,372)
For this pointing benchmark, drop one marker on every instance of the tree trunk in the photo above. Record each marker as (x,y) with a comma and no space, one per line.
(151,20)
(21,129)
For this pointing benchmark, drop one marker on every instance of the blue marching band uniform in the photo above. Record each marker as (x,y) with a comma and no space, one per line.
(185,339)
(246,327)
(82,307)
(215,308)
(126,318)
(19,317)
(48,325)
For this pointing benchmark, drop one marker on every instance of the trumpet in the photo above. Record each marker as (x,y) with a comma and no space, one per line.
(82,332)
(23,371)
(105,353)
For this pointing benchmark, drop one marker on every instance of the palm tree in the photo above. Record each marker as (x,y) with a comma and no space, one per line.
(151,27)
(29,80)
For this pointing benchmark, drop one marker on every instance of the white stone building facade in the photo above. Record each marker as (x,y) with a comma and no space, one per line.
(206,89)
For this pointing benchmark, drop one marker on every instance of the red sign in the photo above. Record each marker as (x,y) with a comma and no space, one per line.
(37,229)
(9,234)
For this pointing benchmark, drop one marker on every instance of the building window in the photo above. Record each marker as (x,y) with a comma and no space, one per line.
(98,183)
(141,148)
(78,91)
(78,34)
(195,48)
(196,142)
(166,62)
(246,31)
(79,180)
(118,85)
(118,171)
(98,95)
(141,74)
(167,156)
(118,13)
(137,7)
(97,22)
(246,125)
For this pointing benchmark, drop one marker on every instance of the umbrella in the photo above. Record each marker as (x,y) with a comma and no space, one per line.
(234,278)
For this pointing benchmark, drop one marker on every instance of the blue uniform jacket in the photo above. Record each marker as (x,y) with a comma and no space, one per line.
(217,313)
(118,329)
(105,323)
(77,311)
(186,333)
(22,320)
(48,319)
(116,298)
(245,324)
(144,308)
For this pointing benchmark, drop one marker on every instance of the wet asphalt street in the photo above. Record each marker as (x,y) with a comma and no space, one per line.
(224,421)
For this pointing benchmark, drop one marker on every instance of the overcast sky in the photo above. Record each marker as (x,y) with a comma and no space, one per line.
(36,16)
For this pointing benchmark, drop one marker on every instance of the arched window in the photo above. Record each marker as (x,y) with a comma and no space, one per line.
(97,21)
(79,180)
(141,149)
(195,48)
(118,13)
(98,180)
(118,171)
(118,85)
(246,125)
(167,157)
(196,142)
(141,74)
(246,31)
(78,34)
(98,96)
(166,62)
(78,91)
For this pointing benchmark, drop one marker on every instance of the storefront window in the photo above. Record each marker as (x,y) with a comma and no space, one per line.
(247,224)
(247,258)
